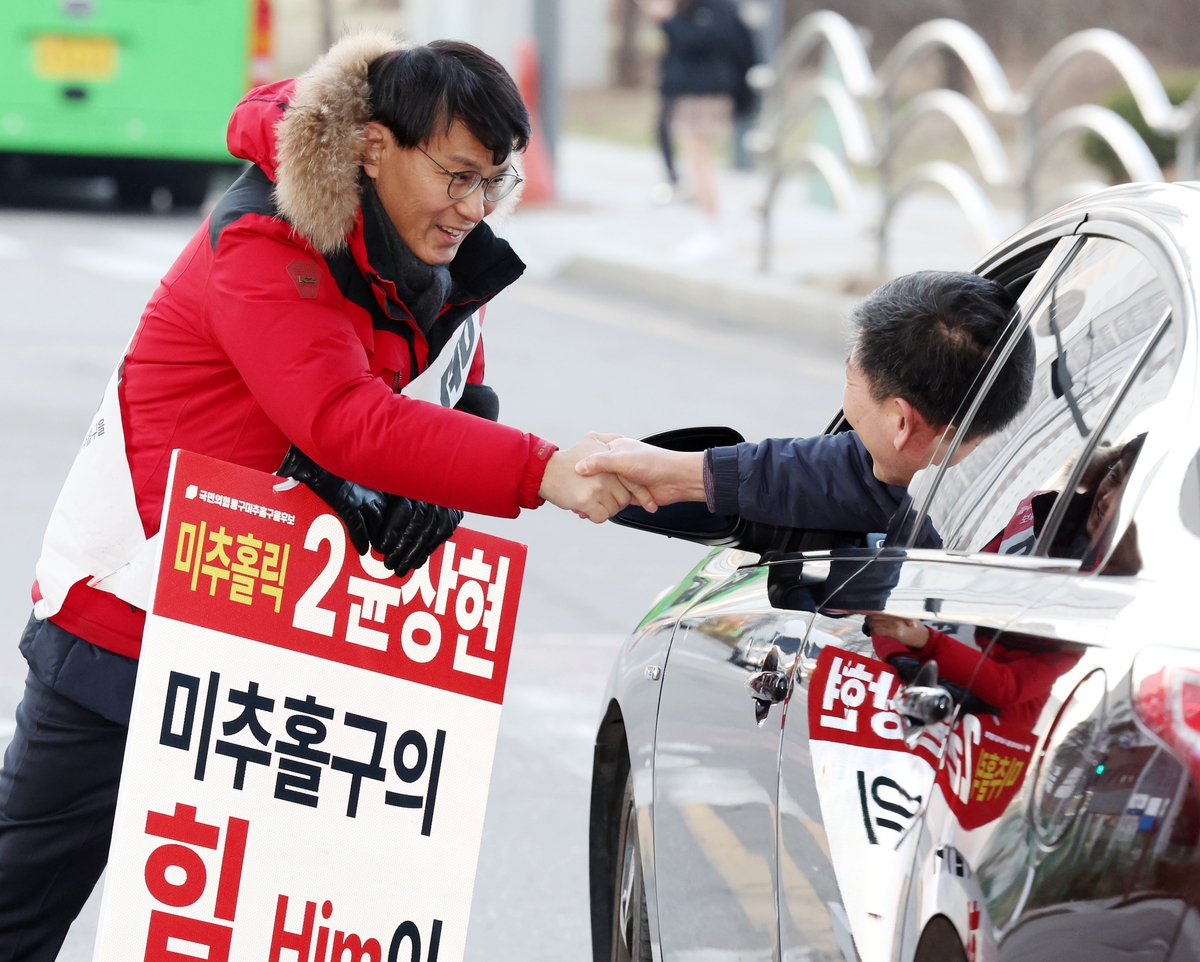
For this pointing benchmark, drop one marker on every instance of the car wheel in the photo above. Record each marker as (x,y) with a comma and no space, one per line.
(940,942)
(631,928)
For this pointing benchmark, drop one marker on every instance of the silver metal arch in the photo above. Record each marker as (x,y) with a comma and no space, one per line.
(1037,136)
(1132,151)
(841,38)
(851,122)
(1127,60)
(832,169)
(967,45)
(956,182)
(980,135)
(1113,129)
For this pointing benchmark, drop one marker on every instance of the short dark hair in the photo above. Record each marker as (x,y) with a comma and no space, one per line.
(929,338)
(417,90)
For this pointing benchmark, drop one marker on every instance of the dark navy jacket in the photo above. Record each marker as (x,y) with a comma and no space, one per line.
(825,482)
(709,51)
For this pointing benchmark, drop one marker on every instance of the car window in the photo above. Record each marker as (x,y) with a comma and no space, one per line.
(1091,309)
(1094,524)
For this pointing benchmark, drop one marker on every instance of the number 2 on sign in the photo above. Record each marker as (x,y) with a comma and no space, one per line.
(310,616)
(466,598)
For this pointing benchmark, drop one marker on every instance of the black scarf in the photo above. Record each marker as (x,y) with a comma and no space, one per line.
(424,288)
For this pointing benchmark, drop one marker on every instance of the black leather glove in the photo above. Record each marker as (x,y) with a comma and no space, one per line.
(361,509)
(480,400)
(412,531)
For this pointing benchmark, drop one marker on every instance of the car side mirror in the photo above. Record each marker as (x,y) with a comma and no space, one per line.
(688,520)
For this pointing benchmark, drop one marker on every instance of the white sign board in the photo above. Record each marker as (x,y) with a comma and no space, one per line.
(312,738)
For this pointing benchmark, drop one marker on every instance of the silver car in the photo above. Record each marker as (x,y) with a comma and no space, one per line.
(769,786)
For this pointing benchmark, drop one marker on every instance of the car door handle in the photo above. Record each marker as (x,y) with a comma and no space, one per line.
(769,686)
(922,703)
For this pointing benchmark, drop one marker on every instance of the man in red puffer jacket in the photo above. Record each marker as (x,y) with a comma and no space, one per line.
(329,311)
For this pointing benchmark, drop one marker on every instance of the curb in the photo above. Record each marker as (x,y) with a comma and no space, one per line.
(795,311)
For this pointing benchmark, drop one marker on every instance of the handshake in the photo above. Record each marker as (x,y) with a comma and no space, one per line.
(595,478)
(602,473)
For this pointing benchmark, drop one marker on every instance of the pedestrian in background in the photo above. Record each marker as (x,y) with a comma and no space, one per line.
(703,77)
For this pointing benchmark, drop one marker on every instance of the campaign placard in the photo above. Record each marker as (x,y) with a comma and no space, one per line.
(873,788)
(311,742)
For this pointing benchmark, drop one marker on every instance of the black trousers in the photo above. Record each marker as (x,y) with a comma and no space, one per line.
(666,110)
(58,794)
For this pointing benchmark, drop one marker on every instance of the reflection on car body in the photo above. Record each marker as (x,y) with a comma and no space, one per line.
(1059,556)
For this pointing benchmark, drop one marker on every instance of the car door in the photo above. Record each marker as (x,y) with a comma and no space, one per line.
(1015,515)
(1107,356)
(850,791)
(872,791)
(1095,307)
(835,876)
(716,774)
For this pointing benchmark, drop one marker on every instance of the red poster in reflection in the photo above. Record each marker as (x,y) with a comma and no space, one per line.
(985,760)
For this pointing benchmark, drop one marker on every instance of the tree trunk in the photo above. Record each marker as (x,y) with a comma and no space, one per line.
(629,67)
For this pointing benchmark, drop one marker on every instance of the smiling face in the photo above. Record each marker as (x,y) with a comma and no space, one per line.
(899,440)
(413,189)
(869,418)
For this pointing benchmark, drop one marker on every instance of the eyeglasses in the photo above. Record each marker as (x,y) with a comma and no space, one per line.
(465,182)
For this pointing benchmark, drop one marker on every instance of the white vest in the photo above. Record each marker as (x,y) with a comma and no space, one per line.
(95,531)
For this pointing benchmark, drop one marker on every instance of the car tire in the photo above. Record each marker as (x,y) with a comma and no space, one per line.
(940,942)
(631,925)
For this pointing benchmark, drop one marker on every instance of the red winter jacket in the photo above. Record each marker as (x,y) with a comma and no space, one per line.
(258,338)
(1016,681)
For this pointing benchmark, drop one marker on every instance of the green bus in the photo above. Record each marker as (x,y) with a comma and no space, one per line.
(139,91)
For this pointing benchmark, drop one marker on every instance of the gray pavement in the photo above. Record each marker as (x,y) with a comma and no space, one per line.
(607,232)
(564,361)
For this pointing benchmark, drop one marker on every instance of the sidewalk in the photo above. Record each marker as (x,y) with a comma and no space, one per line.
(607,232)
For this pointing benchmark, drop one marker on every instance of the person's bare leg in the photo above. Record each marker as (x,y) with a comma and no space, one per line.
(708,240)
(698,148)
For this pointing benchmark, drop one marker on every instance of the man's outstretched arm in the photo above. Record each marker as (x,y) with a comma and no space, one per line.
(821,482)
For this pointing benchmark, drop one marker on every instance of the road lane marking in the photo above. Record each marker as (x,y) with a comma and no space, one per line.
(808,913)
(817,831)
(746,873)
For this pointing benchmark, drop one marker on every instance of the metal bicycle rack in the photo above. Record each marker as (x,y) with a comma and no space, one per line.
(788,104)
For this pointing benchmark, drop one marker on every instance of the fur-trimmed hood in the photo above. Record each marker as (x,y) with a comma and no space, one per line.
(307,135)
(320,141)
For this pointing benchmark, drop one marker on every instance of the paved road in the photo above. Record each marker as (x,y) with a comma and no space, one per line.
(564,362)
